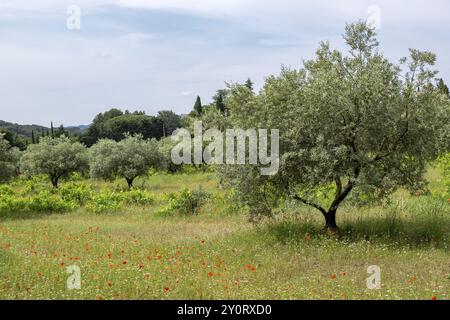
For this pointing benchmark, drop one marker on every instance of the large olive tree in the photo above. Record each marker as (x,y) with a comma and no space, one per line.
(353,123)
(128,158)
(55,157)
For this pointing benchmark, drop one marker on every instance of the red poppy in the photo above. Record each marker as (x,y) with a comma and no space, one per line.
(124,262)
(210,274)
(433,298)
(333,276)
(110,255)
(248,266)
(109,283)
(166,289)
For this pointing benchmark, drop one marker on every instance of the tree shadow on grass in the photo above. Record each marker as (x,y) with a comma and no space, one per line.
(432,232)
(23,215)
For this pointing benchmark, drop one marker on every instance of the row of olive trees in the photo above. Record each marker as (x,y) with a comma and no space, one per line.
(107,159)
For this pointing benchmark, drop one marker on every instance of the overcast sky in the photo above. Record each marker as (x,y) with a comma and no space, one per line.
(160,54)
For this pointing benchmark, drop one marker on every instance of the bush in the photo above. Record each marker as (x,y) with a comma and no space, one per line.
(78,192)
(444,165)
(10,203)
(137,197)
(45,201)
(105,201)
(186,202)
(6,190)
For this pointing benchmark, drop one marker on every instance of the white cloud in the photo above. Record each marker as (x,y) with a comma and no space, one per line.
(71,76)
(399,11)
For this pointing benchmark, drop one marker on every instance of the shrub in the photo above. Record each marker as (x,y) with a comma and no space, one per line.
(104,201)
(6,190)
(78,192)
(137,197)
(186,202)
(10,203)
(444,165)
(45,201)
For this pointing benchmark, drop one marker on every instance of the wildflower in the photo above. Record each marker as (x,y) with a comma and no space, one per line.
(124,262)
(433,298)
(166,289)
(250,267)
(109,283)
(210,274)
(109,255)
(333,276)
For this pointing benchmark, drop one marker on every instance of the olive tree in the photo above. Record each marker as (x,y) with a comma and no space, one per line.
(165,149)
(55,157)
(349,124)
(128,158)
(9,158)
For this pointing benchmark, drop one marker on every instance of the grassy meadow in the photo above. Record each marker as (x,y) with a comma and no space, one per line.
(136,251)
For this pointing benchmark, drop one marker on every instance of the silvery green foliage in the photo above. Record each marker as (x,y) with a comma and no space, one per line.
(128,158)
(9,159)
(165,146)
(55,157)
(349,124)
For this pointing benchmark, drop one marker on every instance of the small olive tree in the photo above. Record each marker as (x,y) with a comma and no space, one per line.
(55,157)
(9,158)
(353,123)
(128,158)
(165,148)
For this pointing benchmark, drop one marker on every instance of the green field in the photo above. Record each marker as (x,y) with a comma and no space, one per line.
(136,252)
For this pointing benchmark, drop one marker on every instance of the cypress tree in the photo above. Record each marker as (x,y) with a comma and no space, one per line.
(442,87)
(198,106)
(249,84)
